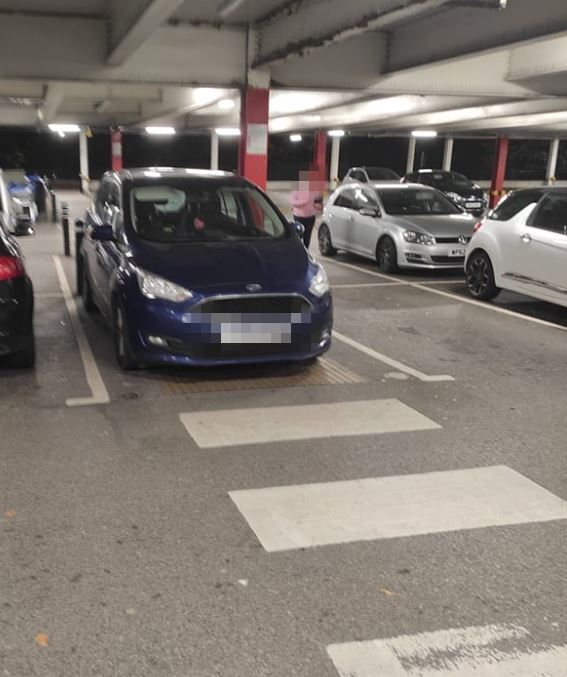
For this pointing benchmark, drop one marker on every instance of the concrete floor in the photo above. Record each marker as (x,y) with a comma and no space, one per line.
(129,550)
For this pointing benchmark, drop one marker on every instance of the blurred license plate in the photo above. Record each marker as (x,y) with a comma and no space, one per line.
(457,253)
(474,205)
(256,333)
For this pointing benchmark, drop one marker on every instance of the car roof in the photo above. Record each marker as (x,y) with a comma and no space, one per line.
(169,172)
(399,186)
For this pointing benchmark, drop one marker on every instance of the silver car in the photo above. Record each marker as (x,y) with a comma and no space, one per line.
(397,225)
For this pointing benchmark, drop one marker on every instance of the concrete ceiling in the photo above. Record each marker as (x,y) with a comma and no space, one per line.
(381,66)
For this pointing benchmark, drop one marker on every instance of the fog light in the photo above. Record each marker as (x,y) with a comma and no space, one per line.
(157,341)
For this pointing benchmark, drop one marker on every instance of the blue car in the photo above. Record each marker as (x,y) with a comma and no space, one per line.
(195,267)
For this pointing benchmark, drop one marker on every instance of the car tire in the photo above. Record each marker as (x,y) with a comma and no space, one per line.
(24,358)
(325,242)
(386,255)
(480,277)
(86,291)
(124,354)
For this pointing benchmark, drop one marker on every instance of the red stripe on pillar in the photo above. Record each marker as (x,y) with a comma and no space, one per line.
(319,164)
(253,150)
(116,151)
(499,170)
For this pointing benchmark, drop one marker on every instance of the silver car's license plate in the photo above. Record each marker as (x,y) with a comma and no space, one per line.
(457,253)
(474,205)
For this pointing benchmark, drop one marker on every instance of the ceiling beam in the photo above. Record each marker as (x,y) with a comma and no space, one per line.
(369,21)
(52,100)
(131,27)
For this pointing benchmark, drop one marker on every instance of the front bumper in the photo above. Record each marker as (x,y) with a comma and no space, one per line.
(162,333)
(432,257)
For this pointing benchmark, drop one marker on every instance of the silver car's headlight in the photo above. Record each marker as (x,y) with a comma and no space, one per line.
(156,287)
(418,238)
(320,283)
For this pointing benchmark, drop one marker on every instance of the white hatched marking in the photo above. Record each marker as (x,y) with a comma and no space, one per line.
(300,516)
(232,427)
(487,651)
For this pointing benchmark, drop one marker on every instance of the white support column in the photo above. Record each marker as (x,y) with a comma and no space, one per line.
(214,150)
(448,154)
(335,159)
(552,161)
(411,155)
(84,162)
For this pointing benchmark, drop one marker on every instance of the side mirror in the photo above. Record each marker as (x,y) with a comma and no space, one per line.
(370,211)
(299,229)
(103,233)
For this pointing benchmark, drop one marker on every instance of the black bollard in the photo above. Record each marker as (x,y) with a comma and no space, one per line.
(79,233)
(53,207)
(65,226)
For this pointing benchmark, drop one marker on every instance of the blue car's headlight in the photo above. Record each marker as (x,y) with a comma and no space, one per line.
(156,287)
(320,283)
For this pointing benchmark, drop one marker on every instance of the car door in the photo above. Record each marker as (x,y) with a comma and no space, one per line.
(106,257)
(363,232)
(543,250)
(340,217)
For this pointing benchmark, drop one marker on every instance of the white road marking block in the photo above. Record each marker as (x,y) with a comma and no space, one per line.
(488,651)
(94,379)
(232,427)
(302,516)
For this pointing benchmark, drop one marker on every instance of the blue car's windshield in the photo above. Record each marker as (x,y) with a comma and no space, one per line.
(202,211)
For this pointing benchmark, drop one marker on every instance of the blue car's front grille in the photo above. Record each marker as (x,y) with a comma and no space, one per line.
(256,305)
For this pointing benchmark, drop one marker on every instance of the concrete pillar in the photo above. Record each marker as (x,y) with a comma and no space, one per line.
(552,162)
(499,171)
(84,162)
(335,161)
(116,150)
(411,155)
(253,149)
(448,154)
(214,150)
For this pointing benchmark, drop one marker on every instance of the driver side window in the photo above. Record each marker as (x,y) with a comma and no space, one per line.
(551,214)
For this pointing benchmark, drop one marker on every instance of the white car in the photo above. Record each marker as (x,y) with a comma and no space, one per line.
(521,246)
(7,216)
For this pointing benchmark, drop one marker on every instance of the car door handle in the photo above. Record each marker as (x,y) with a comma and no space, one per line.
(526,237)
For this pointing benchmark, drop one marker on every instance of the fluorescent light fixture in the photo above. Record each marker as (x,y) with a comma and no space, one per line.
(226,104)
(424,133)
(64,128)
(160,131)
(228,131)
(337,132)
(295,138)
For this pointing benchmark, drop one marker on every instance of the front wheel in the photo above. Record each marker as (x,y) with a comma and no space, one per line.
(480,277)
(386,255)
(124,353)
(325,243)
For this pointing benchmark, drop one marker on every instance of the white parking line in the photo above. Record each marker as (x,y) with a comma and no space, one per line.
(455,297)
(366,284)
(309,515)
(92,373)
(232,427)
(486,651)
(420,376)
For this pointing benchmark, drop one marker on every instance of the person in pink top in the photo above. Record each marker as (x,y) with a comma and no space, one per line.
(306,203)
